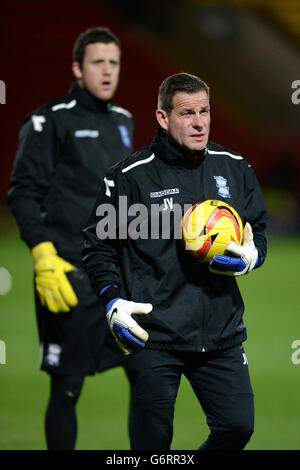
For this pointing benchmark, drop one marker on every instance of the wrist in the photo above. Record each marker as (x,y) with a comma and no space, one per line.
(109,293)
(43,249)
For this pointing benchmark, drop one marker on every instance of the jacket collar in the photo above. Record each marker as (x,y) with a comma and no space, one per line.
(88,100)
(167,151)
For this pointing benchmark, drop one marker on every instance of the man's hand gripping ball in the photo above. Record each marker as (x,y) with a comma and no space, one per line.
(244,257)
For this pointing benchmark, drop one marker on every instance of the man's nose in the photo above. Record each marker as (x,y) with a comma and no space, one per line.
(106,68)
(197,121)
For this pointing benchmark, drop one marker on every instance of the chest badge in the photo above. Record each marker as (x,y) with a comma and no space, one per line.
(125,136)
(223,188)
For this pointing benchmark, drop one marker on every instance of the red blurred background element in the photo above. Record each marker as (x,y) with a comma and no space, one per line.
(36,51)
(36,55)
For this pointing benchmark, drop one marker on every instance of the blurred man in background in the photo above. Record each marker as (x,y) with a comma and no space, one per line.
(65,149)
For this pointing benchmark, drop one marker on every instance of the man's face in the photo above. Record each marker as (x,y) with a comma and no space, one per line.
(188,123)
(99,73)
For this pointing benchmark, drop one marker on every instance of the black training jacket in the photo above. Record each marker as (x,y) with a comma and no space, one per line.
(193,309)
(65,149)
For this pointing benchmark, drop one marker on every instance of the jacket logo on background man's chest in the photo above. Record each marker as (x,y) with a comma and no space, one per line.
(223,188)
(82,133)
(125,136)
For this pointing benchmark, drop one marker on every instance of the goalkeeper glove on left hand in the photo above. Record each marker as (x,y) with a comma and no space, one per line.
(53,286)
(128,334)
(244,258)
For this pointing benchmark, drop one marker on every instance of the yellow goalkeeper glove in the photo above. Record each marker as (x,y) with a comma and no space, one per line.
(53,286)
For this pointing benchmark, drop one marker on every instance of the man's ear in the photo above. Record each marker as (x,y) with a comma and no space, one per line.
(76,69)
(162,118)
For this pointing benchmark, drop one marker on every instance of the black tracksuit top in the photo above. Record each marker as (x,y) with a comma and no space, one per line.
(65,149)
(193,309)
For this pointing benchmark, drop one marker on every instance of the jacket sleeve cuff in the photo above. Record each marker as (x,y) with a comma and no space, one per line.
(109,293)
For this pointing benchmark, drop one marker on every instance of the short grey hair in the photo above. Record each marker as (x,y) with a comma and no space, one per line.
(182,81)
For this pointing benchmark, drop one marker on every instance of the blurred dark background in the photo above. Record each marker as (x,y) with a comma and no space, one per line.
(248,51)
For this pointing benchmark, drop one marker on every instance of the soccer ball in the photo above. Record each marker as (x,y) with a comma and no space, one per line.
(208,227)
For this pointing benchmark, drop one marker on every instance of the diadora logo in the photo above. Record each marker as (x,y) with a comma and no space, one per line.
(164,192)
(223,188)
(168,201)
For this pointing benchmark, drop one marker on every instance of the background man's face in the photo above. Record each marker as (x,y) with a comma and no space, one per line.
(100,69)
